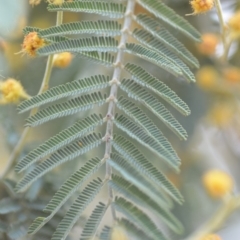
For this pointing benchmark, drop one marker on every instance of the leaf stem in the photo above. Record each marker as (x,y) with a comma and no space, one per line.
(230,204)
(113,93)
(17,150)
(223,29)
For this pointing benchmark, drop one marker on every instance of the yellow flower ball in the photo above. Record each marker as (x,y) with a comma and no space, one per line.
(212,237)
(221,115)
(62,60)
(232,74)
(217,183)
(118,234)
(201,6)
(208,45)
(207,77)
(234,25)
(31,43)
(12,91)
(34,2)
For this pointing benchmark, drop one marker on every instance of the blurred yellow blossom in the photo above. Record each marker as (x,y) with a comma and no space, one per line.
(217,183)
(201,6)
(62,60)
(11,91)
(118,234)
(221,114)
(34,2)
(207,77)
(208,44)
(212,237)
(232,74)
(234,25)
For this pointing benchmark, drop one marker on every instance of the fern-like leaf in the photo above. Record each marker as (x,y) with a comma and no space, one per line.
(131,192)
(138,217)
(132,230)
(167,15)
(100,27)
(129,173)
(60,140)
(136,132)
(131,153)
(72,184)
(102,58)
(69,107)
(65,90)
(65,154)
(91,226)
(151,25)
(167,152)
(101,44)
(112,10)
(105,233)
(75,211)
(152,56)
(138,93)
(148,40)
(142,77)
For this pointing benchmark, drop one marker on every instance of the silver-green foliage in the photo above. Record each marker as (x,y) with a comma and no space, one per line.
(137,183)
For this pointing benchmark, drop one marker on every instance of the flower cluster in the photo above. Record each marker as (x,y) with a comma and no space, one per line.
(217,183)
(11,91)
(201,6)
(212,237)
(62,60)
(31,43)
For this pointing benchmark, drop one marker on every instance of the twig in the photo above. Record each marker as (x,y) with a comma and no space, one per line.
(230,204)
(113,92)
(16,151)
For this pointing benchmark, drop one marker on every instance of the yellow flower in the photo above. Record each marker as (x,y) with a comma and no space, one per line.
(208,44)
(34,2)
(201,6)
(212,237)
(11,91)
(207,78)
(217,183)
(232,74)
(118,234)
(234,25)
(221,114)
(31,43)
(62,60)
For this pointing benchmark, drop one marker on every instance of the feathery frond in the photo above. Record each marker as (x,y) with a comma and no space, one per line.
(131,192)
(75,211)
(100,27)
(142,77)
(111,10)
(60,140)
(131,153)
(65,90)
(138,93)
(167,15)
(69,107)
(138,217)
(101,44)
(164,36)
(91,226)
(130,174)
(65,154)
(72,184)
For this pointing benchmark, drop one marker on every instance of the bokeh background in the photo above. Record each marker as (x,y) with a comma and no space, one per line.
(213,126)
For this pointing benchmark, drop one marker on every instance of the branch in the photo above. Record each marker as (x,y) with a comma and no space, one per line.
(113,92)
(17,150)
(230,204)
